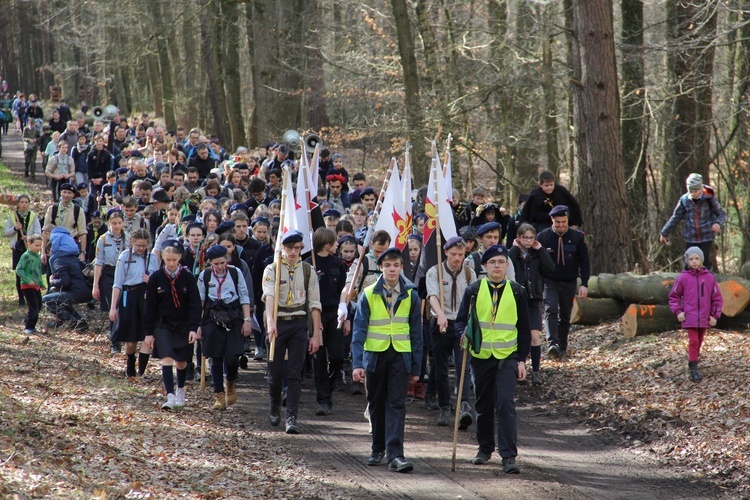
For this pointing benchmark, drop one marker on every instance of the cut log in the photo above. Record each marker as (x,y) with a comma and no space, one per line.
(590,311)
(647,319)
(632,288)
(736,294)
(650,319)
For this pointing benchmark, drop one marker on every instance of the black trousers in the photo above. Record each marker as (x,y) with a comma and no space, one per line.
(291,338)
(386,396)
(34,303)
(558,304)
(443,345)
(329,358)
(495,384)
(15,257)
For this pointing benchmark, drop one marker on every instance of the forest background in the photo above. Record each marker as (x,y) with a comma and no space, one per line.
(621,99)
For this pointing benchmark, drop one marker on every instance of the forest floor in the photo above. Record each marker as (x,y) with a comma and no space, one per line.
(617,419)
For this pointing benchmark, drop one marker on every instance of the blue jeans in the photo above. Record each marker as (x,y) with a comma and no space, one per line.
(61,305)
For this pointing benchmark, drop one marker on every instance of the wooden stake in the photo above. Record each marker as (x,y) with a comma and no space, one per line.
(277,262)
(458,406)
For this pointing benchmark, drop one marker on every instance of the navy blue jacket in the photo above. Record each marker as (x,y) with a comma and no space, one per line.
(67,276)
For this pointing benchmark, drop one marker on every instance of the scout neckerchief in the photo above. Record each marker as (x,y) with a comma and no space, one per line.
(172,277)
(454,285)
(219,282)
(290,294)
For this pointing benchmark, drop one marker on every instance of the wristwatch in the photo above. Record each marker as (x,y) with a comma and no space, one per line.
(248,319)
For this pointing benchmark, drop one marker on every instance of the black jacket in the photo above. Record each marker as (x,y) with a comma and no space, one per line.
(98,163)
(536,210)
(530,270)
(160,308)
(575,259)
(67,276)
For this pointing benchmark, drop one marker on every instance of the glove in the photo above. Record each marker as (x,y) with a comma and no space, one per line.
(343,312)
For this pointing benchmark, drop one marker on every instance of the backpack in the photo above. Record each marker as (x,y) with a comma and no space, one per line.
(76,213)
(476,259)
(220,314)
(365,272)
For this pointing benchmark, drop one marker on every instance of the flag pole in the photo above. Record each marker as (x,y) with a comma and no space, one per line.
(368,235)
(458,406)
(277,262)
(438,239)
(307,198)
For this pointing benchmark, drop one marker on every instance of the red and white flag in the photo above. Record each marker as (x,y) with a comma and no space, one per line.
(303,206)
(290,218)
(392,216)
(406,188)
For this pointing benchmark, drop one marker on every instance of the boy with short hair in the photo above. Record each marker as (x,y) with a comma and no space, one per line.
(542,199)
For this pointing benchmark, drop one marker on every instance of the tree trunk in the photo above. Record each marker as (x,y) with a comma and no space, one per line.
(152,68)
(550,107)
(165,69)
(211,47)
(265,70)
(231,65)
(414,116)
(610,247)
(317,107)
(634,125)
(691,30)
(736,295)
(629,288)
(588,311)
(646,320)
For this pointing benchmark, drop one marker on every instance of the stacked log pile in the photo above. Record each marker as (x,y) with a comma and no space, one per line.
(642,302)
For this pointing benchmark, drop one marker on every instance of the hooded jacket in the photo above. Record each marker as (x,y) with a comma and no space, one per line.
(699,215)
(696,293)
(63,243)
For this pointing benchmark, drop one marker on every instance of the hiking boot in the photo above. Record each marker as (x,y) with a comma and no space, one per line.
(221,401)
(431,403)
(169,404)
(536,378)
(231,392)
(179,398)
(695,375)
(466,416)
(323,409)
(291,425)
(481,458)
(554,351)
(274,416)
(444,419)
(510,466)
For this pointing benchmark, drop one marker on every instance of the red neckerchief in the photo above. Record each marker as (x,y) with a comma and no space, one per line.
(172,281)
(219,282)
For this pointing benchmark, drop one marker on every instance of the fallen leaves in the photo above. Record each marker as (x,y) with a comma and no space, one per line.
(640,390)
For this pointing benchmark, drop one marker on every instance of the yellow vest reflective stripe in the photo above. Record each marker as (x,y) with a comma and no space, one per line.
(499,334)
(384,331)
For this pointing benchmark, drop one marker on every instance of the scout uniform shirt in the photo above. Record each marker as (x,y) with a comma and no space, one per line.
(453,288)
(131,267)
(373,273)
(292,300)
(109,249)
(223,287)
(66,218)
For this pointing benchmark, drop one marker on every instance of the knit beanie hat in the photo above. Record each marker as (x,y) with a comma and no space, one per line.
(694,181)
(694,251)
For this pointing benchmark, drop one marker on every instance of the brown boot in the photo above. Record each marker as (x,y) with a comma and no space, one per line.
(221,401)
(231,392)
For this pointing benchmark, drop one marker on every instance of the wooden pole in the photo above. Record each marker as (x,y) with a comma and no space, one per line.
(438,239)
(370,229)
(458,406)
(277,262)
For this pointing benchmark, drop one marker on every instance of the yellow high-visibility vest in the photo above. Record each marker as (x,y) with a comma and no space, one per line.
(384,331)
(499,334)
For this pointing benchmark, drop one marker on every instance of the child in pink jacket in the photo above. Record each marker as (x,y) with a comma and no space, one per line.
(696,300)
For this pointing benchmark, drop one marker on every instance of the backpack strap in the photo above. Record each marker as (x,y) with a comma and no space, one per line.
(234,272)
(477,260)
(467,275)
(365,272)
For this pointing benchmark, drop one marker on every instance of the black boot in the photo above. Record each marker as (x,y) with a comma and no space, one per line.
(695,375)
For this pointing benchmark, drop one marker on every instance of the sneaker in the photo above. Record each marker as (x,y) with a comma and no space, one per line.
(554,351)
(465,417)
(400,464)
(481,458)
(323,409)
(115,348)
(179,398)
(291,425)
(29,331)
(431,403)
(419,390)
(274,416)
(260,354)
(169,405)
(510,466)
(444,419)
(536,378)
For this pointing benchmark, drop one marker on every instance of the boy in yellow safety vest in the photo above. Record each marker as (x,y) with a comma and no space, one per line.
(499,339)
(387,344)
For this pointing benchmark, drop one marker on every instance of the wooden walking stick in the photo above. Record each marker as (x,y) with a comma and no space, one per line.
(203,371)
(277,262)
(458,404)
(370,229)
